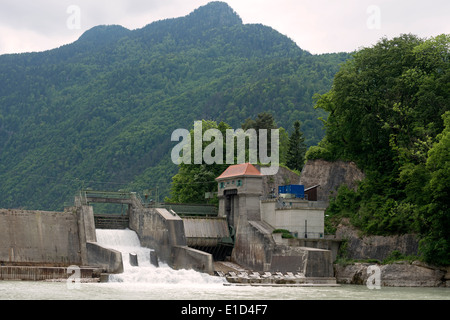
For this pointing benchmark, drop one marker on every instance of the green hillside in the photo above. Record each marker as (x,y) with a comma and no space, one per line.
(99,112)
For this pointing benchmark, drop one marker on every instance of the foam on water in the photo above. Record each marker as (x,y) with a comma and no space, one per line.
(126,242)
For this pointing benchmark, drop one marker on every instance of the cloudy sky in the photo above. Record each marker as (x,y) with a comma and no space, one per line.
(319,26)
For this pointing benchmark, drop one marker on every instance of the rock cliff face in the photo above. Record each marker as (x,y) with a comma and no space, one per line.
(397,274)
(400,274)
(330,176)
(374,247)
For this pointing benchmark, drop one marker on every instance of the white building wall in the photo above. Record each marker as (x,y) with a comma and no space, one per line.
(294,219)
(300,221)
(268,212)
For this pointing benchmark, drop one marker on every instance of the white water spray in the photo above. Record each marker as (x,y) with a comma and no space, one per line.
(126,242)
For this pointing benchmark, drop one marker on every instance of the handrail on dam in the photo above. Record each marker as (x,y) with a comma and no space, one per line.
(133,198)
(87,196)
(107,194)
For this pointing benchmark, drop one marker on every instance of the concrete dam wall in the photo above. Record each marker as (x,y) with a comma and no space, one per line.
(42,239)
(164,232)
(38,237)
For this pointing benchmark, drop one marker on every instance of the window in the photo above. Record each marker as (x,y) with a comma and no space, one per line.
(222,185)
(239,183)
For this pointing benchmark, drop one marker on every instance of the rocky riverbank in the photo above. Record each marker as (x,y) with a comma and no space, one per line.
(398,274)
(355,247)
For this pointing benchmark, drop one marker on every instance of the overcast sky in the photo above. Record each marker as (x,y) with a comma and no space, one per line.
(319,26)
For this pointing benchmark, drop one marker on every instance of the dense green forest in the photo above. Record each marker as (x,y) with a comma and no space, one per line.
(99,112)
(389,111)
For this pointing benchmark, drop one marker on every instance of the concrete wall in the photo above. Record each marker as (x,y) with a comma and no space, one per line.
(267,208)
(163,231)
(256,249)
(56,239)
(301,221)
(325,244)
(188,258)
(311,262)
(39,237)
(34,273)
(109,260)
(158,229)
(254,245)
(295,217)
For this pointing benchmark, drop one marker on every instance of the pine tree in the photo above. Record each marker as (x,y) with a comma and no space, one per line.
(297,149)
(264,120)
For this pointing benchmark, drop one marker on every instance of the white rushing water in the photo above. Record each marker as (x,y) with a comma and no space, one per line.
(127,241)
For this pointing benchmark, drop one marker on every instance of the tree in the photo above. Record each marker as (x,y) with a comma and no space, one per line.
(435,215)
(297,149)
(193,181)
(264,121)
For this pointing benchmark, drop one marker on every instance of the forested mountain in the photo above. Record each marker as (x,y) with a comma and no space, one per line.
(99,112)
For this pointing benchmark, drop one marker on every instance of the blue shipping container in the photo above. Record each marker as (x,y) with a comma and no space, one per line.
(297,189)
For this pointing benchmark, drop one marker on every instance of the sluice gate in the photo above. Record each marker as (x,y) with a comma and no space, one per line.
(211,235)
(109,221)
(204,230)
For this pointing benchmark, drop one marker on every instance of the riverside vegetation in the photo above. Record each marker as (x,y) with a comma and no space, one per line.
(389,113)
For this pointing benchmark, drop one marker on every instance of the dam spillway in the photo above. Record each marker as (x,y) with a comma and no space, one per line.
(145,273)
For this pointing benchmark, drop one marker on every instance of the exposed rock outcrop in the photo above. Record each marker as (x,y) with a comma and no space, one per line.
(374,247)
(397,274)
(283,177)
(400,274)
(330,176)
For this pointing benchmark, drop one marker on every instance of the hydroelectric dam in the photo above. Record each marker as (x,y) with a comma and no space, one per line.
(52,241)
(237,241)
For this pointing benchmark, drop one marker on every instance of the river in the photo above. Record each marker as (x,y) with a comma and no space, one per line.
(206,290)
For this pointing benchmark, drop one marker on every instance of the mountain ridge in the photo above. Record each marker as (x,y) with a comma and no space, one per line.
(100,114)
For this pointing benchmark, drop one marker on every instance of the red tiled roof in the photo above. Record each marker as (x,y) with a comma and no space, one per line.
(245,169)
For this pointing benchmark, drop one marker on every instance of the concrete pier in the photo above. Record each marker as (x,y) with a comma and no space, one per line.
(133,259)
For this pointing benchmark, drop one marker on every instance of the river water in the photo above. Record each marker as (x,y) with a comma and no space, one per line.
(147,282)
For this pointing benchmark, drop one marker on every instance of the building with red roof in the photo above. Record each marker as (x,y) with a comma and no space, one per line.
(254,216)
